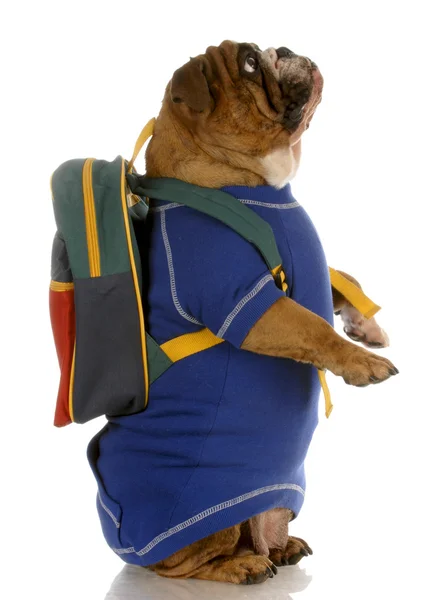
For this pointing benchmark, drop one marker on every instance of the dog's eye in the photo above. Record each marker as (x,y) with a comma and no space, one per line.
(250,64)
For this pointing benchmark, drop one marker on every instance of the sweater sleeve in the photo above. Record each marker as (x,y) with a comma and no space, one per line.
(221,278)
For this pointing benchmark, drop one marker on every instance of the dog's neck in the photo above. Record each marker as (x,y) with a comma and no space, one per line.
(174,152)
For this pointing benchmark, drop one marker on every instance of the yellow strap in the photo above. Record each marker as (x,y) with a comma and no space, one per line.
(59,286)
(353,294)
(190,343)
(328,404)
(142,138)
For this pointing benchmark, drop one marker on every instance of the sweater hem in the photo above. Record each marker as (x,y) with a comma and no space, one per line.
(218,517)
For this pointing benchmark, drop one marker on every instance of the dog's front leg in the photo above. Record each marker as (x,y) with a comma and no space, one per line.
(356,326)
(289,330)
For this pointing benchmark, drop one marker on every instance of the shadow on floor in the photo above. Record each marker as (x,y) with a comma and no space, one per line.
(136,583)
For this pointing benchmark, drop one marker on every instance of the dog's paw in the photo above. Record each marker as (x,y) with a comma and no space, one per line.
(360,329)
(248,570)
(295,550)
(362,368)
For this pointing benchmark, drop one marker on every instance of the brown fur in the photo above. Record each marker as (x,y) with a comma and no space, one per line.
(215,126)
(228,555)
(220,147)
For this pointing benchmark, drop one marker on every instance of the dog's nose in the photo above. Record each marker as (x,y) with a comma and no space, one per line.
(285,53)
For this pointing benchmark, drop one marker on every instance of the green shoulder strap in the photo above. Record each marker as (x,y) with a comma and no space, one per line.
(216,204)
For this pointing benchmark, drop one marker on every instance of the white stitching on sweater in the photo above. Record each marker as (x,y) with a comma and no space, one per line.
(109,512)
(171,271)
(165,207)
(239,306)
(294,204)
(209,512)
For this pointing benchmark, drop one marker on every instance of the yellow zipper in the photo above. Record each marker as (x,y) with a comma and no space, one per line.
(90,218)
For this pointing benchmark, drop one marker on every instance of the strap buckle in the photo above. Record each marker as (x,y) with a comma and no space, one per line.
(280,278)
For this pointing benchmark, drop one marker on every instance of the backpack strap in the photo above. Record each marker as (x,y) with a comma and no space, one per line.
(145,134)
(220,206)
(353,294)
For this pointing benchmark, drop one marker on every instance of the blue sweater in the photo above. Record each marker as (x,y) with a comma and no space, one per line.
(226,431)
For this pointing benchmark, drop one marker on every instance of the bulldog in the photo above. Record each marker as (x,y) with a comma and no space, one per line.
(219,453)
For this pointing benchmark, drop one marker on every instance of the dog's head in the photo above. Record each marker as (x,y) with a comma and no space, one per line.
(239,101)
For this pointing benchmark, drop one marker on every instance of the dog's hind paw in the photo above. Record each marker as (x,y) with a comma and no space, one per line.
(295,550)
(360,329)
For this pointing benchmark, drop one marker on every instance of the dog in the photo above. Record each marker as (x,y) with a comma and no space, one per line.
(204,483)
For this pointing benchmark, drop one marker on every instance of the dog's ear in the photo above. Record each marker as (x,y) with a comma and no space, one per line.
(189,85)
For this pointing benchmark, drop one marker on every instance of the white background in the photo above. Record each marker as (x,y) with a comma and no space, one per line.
(81,79)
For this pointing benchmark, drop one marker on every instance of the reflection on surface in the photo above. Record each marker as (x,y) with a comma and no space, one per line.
(136,583)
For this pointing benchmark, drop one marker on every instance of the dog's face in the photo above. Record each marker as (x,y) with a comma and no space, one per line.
(245,101)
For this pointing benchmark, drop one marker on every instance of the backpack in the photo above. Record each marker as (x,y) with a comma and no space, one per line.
(107,359)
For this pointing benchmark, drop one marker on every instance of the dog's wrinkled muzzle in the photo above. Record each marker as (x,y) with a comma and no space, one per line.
(299,80)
